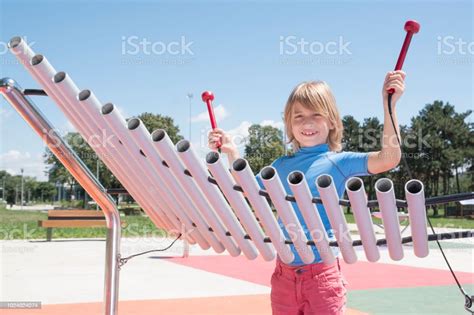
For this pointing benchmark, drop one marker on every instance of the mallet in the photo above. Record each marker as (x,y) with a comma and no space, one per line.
(411,27)
(208,97)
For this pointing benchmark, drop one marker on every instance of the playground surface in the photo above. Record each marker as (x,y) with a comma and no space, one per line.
(66,276)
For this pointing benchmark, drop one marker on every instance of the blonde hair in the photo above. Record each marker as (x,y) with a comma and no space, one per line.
(317,96)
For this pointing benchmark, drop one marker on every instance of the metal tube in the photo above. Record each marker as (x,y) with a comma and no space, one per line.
(43,72)
(299,186)
(358,198)
(327,190)
(135,159)
(88,107)
(415,194)
(64,92)
(238,203)
(244,176)
(285,210)
(214,195)
(21,50)
(165,148)
(386,198)
(142,138)
(30,113)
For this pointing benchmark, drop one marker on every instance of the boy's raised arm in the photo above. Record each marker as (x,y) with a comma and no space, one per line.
(390,155)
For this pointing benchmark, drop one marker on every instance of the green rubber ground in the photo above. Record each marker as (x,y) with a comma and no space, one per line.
(440,300)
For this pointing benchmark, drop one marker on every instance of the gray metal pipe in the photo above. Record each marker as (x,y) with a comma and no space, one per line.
(31,114)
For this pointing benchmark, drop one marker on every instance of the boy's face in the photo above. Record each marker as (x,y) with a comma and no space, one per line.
(309,127)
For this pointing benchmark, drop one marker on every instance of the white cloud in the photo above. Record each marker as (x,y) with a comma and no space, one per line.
(220,114)
(275,124)
(239,133)
(13,161)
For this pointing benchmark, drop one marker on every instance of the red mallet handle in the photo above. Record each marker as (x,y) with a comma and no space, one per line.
(411,27)
(208,97)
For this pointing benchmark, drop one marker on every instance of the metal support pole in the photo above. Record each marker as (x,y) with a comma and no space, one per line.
(30,113)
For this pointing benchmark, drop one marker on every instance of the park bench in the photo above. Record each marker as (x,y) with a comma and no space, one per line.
(74,218)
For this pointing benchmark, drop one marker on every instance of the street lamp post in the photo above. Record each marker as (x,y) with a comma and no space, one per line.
(58,186)
(190,97)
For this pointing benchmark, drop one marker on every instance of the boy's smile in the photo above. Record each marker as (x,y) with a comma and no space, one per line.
(309,127)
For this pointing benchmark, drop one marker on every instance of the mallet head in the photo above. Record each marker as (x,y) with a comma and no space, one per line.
(412,26)
(207,96)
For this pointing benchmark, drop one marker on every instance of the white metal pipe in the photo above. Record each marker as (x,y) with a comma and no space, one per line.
(245,178)
(415,195)
(25,55)
(165,148)
(388,208)
(43,72)
(139,163)
(238,203)
(285,210)
(22,51)
(214,195)
(330,199)
(82,117)
(358,198)
(299,187)
(171,187)
(89,107)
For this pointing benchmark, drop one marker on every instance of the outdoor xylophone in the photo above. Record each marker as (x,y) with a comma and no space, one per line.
(204,201)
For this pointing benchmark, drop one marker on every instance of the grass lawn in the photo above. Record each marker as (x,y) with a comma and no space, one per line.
(17,224)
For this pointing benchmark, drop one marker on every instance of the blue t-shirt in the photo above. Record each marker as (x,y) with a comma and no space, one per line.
(315,161)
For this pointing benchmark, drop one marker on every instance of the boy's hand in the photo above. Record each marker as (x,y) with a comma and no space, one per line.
(217,136)
(394,80)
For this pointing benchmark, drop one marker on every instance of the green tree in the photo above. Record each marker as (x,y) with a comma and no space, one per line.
(446,145)
(44,191)
(58,173)
(264,145)
(352,134)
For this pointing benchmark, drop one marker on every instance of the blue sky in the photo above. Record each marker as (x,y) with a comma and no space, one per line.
(246,52)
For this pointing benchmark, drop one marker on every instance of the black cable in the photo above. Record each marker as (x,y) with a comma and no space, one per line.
(467,298)
(123,261)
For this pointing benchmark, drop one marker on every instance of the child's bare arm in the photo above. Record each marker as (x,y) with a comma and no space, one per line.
(390,155)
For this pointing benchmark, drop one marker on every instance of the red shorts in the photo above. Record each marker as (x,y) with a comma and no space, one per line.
(309,289)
